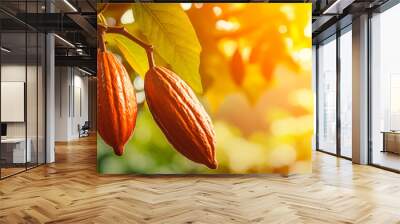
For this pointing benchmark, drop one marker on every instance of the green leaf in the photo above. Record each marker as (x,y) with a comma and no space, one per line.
(169,30)
(134,54)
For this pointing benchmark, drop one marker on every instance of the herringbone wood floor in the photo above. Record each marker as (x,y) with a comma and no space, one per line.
(70,191)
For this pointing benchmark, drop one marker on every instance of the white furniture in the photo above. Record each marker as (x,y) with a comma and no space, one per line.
(18,149)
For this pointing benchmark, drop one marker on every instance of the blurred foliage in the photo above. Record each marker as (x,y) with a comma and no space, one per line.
(255,70)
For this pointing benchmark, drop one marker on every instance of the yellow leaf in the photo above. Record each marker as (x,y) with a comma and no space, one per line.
(169,30)
(134,54)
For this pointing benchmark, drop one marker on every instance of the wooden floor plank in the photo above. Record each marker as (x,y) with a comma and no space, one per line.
(70,191)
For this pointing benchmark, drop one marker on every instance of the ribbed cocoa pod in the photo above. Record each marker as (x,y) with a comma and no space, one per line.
(180,116)
(116,102)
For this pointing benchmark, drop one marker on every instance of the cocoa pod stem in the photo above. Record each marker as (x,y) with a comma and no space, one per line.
(122,31)
(101,42)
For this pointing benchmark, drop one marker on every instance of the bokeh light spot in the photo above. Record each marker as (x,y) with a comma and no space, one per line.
(138,83)
(140,97)
(225,25)
(217,11)
(227,47)
(186,6)
(282,29)
(127,17)
(111,21)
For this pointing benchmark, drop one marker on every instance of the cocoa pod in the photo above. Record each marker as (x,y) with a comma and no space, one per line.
(116,102)
(180,116)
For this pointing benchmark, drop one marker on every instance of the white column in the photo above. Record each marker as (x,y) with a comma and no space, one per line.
(50,98)
(360,89)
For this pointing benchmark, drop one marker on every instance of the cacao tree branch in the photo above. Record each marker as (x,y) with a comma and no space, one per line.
(101,42)
(121,30)
(105,6)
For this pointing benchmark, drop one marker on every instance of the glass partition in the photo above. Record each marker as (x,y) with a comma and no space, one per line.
(13,105)
(385,89)
(346,93)
(327,95)
(31,99)
(22,89)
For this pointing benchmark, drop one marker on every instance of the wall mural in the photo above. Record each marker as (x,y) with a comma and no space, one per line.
(204,88)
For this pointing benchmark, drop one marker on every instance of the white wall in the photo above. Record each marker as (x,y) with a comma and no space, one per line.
(62,81)
(14,73)
(71,94)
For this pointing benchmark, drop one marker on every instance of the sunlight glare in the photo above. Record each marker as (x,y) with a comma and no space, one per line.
(127,17)
(186,6)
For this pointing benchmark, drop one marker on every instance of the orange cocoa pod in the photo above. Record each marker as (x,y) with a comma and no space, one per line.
(116,102)
(180,116)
